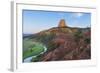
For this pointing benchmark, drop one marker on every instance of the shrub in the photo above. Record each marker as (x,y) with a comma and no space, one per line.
(87,40)
(78,35)
(51,46)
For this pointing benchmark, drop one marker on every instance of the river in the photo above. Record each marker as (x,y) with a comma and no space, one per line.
(30,58)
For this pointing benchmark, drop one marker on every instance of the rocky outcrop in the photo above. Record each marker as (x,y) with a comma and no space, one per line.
(62,23)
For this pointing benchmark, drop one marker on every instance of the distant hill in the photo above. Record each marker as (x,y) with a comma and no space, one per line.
(26,35)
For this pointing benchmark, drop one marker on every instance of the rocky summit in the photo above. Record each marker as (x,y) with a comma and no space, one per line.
(62,23)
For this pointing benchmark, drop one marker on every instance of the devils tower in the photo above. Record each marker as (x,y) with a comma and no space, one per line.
(62,23)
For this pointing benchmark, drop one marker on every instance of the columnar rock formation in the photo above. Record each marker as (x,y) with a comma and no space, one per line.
(62,23)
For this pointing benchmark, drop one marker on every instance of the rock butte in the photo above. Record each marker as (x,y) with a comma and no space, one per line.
(62,23)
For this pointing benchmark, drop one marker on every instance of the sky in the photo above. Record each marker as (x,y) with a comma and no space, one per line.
(35,21)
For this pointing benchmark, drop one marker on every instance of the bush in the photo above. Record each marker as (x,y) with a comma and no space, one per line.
(78,35)
(36,59)
(87,40)
(45,38)
(51,46)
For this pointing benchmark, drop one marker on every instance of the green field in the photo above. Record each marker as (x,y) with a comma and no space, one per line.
(31,48)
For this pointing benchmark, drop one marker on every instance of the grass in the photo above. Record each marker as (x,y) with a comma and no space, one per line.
(33,49)
(27,43)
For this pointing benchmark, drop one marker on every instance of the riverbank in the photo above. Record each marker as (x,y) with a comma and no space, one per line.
(28,59)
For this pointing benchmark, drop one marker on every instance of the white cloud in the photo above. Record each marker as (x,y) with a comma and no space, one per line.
(77,15)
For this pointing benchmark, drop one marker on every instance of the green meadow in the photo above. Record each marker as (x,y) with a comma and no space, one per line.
(31,48)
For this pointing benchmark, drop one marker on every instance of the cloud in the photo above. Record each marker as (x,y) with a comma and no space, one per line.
(77,15)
